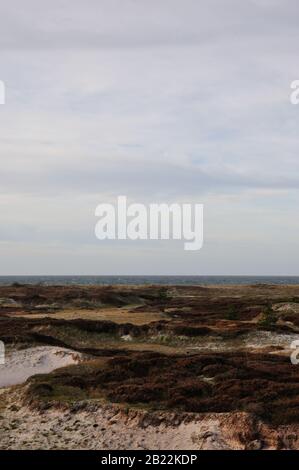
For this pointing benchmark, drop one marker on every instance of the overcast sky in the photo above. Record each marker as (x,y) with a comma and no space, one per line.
(159,100)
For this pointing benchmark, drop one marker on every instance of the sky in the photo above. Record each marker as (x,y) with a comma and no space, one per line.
(161,101)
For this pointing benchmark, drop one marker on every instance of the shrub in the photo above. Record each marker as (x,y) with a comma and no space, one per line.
(268,317)
(232,313)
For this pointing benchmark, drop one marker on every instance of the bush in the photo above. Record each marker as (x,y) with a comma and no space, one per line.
(162,294)
(268,317)
(232,313)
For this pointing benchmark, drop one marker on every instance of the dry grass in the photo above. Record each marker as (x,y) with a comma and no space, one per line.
(116,315)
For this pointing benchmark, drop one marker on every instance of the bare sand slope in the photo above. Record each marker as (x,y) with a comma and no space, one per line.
(22,364)
(109,427)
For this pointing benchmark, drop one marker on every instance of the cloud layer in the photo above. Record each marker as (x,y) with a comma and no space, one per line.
(162,101)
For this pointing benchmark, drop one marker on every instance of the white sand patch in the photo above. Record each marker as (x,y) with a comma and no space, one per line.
(264,339)
(286,307)
(256,340)
(22,364)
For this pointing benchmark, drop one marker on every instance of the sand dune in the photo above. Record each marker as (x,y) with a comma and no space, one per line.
(22,364)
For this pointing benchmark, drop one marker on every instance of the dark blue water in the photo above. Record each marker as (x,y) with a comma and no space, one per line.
(163,280)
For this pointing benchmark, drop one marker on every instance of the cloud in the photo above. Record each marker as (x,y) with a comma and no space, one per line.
(157,100)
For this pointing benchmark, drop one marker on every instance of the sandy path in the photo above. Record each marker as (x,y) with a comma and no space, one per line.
(22,364)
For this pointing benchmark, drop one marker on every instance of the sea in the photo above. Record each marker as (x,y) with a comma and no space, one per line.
(148,280)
